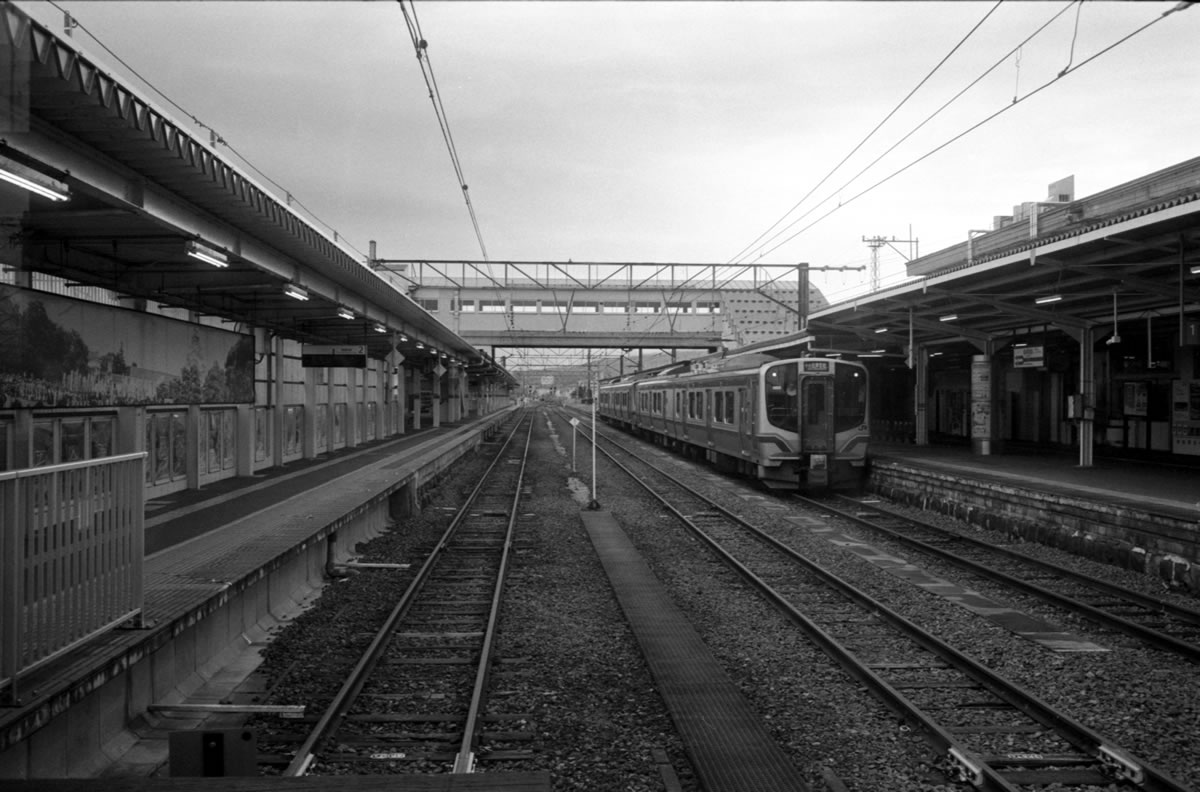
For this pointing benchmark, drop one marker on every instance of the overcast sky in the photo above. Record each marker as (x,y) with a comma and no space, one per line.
(678,131)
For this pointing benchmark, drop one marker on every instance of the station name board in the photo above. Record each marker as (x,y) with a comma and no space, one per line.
(313,356)
(1029,357)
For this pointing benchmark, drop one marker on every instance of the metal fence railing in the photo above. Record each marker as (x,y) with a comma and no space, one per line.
(71,552)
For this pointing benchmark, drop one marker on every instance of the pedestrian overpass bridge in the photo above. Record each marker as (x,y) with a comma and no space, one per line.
(522,304)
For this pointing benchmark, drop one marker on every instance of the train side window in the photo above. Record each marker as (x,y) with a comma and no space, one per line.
(718,405)
(783,409)
(850,398)
(729,406)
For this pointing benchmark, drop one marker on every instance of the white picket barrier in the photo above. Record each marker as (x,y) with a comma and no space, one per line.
(71,553)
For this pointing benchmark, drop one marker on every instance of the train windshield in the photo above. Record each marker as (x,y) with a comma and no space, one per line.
(783,407)
(849,398)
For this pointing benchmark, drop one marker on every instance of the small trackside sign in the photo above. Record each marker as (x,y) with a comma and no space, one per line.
(314,356)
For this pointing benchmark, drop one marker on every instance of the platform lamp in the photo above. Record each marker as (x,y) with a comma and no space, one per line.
(207,255)
(37,183)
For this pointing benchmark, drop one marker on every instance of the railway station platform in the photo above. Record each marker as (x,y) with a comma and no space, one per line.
(1138,515)
(223,564)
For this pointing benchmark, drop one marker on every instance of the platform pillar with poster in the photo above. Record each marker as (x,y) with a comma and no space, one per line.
(920,365)
(983,402)
(1185,417)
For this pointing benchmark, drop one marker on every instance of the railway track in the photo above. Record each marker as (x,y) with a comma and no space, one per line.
(1151,620)
(989,731)
(419,693)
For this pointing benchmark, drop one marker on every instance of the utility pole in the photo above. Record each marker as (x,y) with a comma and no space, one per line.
(877,242)
(802,270)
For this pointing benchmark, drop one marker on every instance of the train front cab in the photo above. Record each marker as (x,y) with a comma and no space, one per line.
(824,403)
(832,423)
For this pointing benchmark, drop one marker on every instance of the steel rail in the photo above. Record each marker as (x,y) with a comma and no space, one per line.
(464,762)
(335,713)
(971,766)
(1188,650)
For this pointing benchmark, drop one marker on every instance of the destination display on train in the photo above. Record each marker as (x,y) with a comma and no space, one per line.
(814,365)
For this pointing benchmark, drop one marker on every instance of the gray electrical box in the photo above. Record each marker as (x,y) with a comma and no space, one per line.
(215,752)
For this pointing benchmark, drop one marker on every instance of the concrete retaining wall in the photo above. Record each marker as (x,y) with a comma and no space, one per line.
(1153,544)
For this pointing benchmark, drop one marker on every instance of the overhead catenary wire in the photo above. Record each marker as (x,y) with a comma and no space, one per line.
(1074,37)
(214,136)
(744,251)
(422,49)
(1000,61)
(1070,70)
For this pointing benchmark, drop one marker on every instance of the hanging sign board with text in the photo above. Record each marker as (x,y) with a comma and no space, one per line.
(313,356)
(1029,357)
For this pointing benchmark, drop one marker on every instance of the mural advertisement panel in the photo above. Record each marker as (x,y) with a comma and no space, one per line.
(60,352)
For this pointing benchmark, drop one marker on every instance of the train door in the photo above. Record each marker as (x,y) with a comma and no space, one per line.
(816,425)
(746,428)
(677,413)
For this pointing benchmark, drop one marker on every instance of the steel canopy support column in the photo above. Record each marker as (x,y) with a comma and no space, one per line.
(331,416)
(276,386)
(921,395)
(416,399)
(383,382)
(454,411)
(1087,393)
(399,393)
(353,405)
(437,400)
(308,435)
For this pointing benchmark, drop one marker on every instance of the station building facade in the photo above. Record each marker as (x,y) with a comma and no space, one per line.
(1071,323)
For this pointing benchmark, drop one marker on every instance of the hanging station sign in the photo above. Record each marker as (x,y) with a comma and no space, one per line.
(314,356)
(1029,357)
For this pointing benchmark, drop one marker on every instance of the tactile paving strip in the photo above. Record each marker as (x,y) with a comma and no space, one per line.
(726,740)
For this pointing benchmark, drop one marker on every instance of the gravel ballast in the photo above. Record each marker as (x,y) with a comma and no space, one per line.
(599,724)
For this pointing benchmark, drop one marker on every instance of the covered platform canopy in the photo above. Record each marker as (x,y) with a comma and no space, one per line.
(1078,272)
(1122,254)
(152,212)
